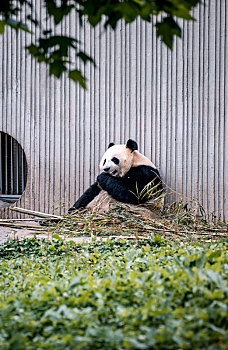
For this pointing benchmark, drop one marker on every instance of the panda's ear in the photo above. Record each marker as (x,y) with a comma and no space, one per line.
(132,145)
(111,144)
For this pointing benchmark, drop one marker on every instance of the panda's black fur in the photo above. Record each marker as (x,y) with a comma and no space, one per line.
(125,173)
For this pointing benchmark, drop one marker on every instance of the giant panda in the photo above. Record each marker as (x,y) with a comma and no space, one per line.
(124,174)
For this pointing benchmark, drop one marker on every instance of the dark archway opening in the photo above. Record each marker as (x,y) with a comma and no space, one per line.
(13,170)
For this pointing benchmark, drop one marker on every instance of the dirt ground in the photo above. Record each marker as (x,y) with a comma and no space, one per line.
(12,232)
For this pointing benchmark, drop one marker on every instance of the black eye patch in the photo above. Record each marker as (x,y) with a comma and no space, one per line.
(115,160)
(104,162)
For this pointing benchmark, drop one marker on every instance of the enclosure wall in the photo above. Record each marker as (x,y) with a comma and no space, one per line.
(173,103)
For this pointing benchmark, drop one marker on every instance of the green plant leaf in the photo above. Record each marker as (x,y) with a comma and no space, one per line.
(58,12)
(85,58)
(57,68)
(166,29)
(112,294)
(17,25)
(77,76)
(2,27)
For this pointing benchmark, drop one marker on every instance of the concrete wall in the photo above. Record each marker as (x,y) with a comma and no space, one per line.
(173,103)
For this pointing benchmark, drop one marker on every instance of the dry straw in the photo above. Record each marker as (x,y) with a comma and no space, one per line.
(183,219)
(176,221)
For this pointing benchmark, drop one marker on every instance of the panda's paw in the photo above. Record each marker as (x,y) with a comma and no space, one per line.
(75,209)
(71,210)
(102,179)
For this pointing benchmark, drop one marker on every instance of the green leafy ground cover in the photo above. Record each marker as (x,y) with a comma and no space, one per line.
(113,295)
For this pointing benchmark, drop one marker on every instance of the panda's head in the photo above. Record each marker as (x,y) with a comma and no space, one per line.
(118,159)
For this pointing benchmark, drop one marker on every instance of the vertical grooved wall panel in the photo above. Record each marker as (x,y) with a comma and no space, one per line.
(174,104)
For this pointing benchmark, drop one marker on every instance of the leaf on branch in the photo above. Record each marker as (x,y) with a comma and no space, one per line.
(113,19)
(94,20)
(58,12)
(63,42)
(85,58)
(93,10)
(17,25)
(57,68)
(129,10)
(77,76)
(36,52)
(167,29)
(2,27)
(33,49)
(147,11)
(182,9)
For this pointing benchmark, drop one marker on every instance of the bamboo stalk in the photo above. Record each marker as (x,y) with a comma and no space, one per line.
(28,219)
(215,230)
(203,232)
(35,213)
(28,227)
(211,234)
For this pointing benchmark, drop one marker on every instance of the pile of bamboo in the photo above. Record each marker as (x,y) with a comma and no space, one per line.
(123,223)
(29,223)
(174,223)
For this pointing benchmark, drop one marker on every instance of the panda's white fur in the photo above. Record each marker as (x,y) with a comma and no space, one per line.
(126,157)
